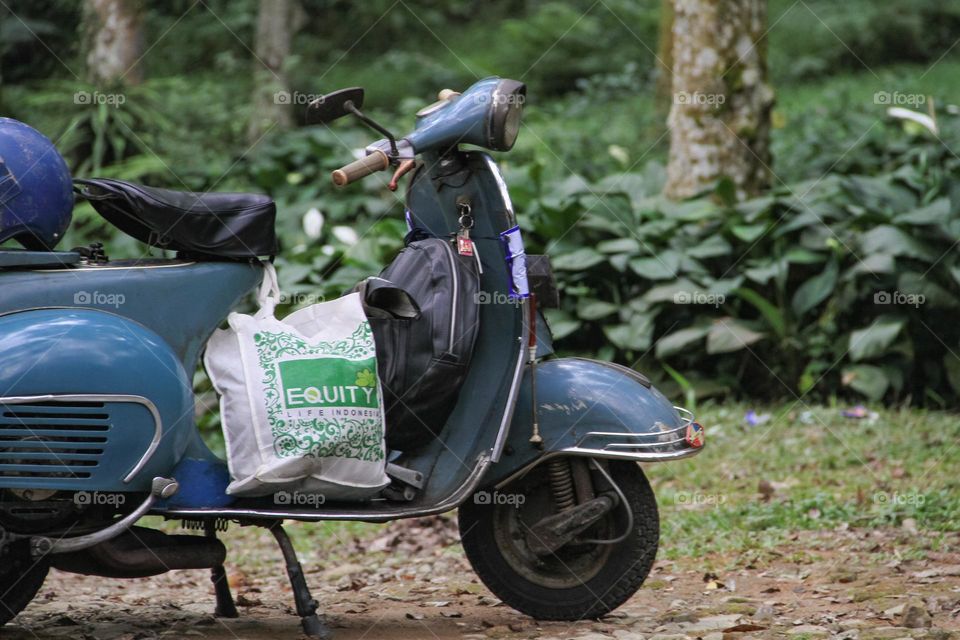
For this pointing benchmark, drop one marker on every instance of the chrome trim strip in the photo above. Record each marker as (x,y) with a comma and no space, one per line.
(73,267)
(624,450)
(495,100)
(507,418)
(95,397)
(452,501)
(655,439)
(602,453)
(641,445)
(90,267)
(501,186)
(161,488)
(42,545)
(651,435)
(639,457)
(518,370)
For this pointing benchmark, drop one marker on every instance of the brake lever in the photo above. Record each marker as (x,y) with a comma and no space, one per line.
(402,169)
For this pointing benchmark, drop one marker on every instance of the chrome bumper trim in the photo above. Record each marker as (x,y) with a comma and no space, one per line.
(104,397)
(161,488)
(652,456)
(659,446)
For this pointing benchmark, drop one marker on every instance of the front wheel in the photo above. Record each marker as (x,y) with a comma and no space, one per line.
(21,577)
(583,579)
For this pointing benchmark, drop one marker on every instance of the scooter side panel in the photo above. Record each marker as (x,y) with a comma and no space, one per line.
(472,428)
(120,380)
(577,397)
(182,302)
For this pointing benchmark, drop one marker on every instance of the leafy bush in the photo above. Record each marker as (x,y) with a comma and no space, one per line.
(849,282)
(29,29)
(789,280)
(820,37)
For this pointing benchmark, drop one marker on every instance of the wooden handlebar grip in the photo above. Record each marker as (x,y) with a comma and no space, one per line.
(376,161)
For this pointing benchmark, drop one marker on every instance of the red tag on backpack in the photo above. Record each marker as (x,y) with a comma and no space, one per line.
(464,245)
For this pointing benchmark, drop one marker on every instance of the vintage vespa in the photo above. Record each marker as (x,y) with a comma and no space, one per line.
(96,398)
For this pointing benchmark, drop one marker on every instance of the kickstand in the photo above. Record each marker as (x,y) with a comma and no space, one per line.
(306,605)
(218,576)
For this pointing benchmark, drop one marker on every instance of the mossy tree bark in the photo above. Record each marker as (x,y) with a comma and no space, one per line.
(665,56)
(277,23)
(720,119)
(115,42)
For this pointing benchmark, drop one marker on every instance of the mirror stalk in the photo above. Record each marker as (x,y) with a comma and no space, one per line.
(370,122)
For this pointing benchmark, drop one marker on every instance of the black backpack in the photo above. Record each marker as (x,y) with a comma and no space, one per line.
(423,361)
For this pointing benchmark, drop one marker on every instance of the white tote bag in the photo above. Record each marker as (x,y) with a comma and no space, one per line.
(300,412)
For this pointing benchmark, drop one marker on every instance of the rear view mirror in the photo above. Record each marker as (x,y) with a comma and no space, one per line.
(334,105)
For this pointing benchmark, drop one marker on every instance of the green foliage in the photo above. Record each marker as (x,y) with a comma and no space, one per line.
(847,282)
(817,38)
(29,30)
(786,282)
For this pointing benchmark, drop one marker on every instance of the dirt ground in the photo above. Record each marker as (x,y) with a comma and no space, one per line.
(846,584)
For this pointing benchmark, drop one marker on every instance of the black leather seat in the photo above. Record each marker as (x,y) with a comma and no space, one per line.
(228,225)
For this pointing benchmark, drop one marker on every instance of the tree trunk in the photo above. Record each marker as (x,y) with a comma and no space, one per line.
(115,41)
(720,119)
(665,56)
(277,22)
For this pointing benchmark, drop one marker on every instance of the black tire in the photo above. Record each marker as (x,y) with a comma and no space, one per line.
(21,577)
(599,578)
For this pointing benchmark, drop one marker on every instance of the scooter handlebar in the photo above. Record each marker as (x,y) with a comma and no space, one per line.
(376,161)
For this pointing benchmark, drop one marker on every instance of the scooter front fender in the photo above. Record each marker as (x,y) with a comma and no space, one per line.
(596,409)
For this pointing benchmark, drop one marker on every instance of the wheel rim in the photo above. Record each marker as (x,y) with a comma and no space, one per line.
(570,566)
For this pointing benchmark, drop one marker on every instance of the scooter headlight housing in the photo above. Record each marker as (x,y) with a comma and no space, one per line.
(486,115)
(506,110)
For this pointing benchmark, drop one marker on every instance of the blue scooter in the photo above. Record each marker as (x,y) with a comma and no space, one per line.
(97,422)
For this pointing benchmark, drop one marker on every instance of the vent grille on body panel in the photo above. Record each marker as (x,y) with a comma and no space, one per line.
(52,439)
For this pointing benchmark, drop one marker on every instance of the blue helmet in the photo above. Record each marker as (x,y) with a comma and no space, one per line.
(36,190)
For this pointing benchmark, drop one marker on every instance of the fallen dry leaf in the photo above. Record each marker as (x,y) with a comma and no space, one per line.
(744,628)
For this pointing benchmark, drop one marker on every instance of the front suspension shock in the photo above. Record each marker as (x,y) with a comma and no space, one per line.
(561,483)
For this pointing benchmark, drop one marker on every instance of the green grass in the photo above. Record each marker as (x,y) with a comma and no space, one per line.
(858,88)
(828,471)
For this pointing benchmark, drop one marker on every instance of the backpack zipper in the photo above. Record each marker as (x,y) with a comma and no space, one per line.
(456,295)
